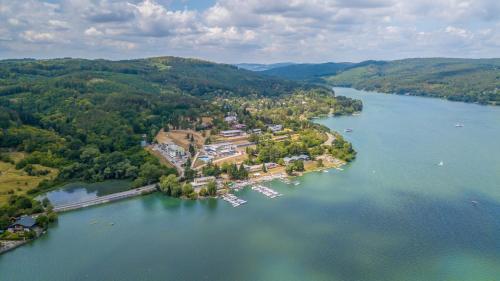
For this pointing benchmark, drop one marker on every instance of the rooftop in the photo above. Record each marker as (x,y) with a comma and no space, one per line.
(25,221)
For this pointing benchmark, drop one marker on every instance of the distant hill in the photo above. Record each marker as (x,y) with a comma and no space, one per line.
(308,71)
(467,80)
(262,67)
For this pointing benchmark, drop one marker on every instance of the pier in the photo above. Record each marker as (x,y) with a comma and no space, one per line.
(233,200)
(266,191)
(106,199)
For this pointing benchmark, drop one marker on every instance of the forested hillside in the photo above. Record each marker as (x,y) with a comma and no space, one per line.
(86,118)
(465,80)
(307,71)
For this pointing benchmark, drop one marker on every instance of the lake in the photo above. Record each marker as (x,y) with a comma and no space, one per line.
(393,214)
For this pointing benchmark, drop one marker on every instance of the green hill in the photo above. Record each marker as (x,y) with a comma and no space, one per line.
(467,80)
(86,118)
(307,71)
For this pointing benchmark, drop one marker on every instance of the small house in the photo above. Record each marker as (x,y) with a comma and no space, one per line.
(24,223)
(292,159)
(275,128)
(231,119)
(231,133)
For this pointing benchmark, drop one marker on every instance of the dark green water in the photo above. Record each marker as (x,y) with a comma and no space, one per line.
(80,192)
(392,215)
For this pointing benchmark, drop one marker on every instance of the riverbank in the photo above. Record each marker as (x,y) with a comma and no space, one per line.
(9,245)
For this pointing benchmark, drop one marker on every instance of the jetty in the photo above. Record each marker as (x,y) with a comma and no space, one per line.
(106,199)
(266,191)
(233,199)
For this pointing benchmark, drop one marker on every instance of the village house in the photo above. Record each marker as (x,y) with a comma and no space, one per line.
(289,160)
(275,128)
(258,167)
(231,119)
(239,126)
(231,133)
(220,149)
(201,182)
(24,223)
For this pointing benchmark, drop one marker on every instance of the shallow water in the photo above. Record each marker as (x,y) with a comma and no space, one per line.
(393,214)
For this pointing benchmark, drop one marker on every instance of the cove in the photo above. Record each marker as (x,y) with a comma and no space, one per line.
(392,214)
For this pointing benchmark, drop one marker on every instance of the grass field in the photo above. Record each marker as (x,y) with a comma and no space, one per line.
(14,181)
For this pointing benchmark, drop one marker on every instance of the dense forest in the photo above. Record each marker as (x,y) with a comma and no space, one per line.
(87,118)
(467,80)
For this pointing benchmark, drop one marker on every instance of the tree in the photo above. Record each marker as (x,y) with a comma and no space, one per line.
(203,192)
(187,189)
(167,183)
(42,221)
(299,165)
(176,191)
(150,173)
(319,162)
(264,168)
(212,188)
(192,150)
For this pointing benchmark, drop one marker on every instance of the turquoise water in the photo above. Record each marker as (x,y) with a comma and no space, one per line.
(392,215)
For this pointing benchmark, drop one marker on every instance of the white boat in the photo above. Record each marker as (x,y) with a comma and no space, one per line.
(459,125)
(441,163)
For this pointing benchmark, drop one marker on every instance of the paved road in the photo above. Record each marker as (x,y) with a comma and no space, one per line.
(106,199)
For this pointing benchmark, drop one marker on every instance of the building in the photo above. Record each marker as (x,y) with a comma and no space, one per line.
(289,160)
(175,151)
(24,223)
(203,181)
(231,119)
(253,168)
(231,133)
(220,149)
(256,131)
(275,128)
(239,126)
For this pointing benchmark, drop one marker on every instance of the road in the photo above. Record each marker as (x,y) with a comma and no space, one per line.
(107,198)
(330,139)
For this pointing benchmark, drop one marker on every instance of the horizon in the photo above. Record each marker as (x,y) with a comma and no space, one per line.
(246,62)
(228,31)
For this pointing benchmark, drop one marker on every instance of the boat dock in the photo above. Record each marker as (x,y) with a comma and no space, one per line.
(233,200)
(266,191)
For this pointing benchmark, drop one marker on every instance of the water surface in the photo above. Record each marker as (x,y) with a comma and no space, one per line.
(391,215)
(79,191)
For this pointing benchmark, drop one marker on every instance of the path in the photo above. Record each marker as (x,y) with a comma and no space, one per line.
(330,139)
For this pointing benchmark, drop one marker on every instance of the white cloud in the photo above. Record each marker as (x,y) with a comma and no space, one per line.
(36,37)
(252,30)
(92,31)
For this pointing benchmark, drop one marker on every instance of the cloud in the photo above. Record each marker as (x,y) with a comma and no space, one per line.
(252,30)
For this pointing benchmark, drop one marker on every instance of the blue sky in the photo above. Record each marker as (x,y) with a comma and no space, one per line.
(263,31)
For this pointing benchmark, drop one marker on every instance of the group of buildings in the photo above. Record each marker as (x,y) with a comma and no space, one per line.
(172,152)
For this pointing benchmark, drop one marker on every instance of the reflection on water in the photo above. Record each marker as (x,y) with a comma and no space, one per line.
(79,192)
